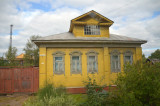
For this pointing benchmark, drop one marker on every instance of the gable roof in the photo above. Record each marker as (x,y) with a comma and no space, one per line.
(92,14)
(69,37)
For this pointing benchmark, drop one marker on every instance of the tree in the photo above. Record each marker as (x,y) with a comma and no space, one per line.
(11,55)
(155,55)
(143,58)
(31,56)
(3,62)
(138,85)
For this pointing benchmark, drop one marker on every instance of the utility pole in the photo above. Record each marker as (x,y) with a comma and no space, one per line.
(11,35)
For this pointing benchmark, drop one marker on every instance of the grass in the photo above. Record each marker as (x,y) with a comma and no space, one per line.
(51,96)
(79,98)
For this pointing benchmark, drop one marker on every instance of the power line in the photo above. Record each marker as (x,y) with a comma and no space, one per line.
(126,5)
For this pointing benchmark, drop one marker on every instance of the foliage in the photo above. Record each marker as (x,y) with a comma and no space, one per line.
(155,55)
(31,56)
(49,91)
(138,86)
(11,56)
(143,58)
(62,100)
(96,96)
(3,62)
(79,98)
(50,96)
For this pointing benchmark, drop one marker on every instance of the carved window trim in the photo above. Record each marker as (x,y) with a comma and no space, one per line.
(128,53)
(114,61)
(79,54)
(59,54)
(92,53)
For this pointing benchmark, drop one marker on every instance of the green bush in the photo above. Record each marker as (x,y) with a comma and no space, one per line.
(49,91)
(139,85)
(50,96)
(96,96)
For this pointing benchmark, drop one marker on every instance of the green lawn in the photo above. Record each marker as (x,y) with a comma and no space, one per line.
(79,98)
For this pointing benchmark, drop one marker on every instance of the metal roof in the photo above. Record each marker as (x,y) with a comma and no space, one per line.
(69,37)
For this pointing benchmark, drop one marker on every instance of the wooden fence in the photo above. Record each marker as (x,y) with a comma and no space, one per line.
(19,80)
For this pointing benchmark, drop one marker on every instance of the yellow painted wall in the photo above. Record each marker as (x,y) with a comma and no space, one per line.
(104,75)
(42,66)
(138,53)
(74,80)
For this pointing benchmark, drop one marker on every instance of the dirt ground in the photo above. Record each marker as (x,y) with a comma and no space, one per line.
(13,100)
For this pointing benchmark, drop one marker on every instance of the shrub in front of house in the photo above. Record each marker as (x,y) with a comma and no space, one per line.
(51,96)
(138,85)
(96,96)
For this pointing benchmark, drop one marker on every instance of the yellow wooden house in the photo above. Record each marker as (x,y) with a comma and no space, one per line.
(88,49)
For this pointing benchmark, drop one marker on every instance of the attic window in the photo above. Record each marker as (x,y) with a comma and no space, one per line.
(92,30)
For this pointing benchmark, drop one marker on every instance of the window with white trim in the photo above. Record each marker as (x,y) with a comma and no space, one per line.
(92,62)
(115,61)
(92,30)
(76,63)
(128,57)
(58,63)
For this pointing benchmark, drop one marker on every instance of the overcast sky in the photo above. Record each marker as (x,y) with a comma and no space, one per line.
(132,18)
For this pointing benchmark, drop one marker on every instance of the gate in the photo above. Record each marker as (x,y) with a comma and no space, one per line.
(19,80)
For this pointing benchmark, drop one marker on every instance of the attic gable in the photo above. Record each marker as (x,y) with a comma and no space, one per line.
(91,17)
(95,15)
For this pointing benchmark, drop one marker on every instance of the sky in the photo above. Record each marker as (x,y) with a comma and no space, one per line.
(132,18)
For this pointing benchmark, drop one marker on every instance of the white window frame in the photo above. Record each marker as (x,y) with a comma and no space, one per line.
(92,53)
(59,54)
(91,30)
(115,53)
(128,53)
(79,54)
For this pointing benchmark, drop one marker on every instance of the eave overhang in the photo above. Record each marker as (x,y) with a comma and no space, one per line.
(58,41)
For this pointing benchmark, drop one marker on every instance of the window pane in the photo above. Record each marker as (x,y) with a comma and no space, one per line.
(115,57)
(91,58)
(128,59)
(73,66)
(75,58)
(115,63)
(112,65)
(90,66)
(94,66)
(56,66)
(91,30)
(58,58)
(60,66)
(78,66)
